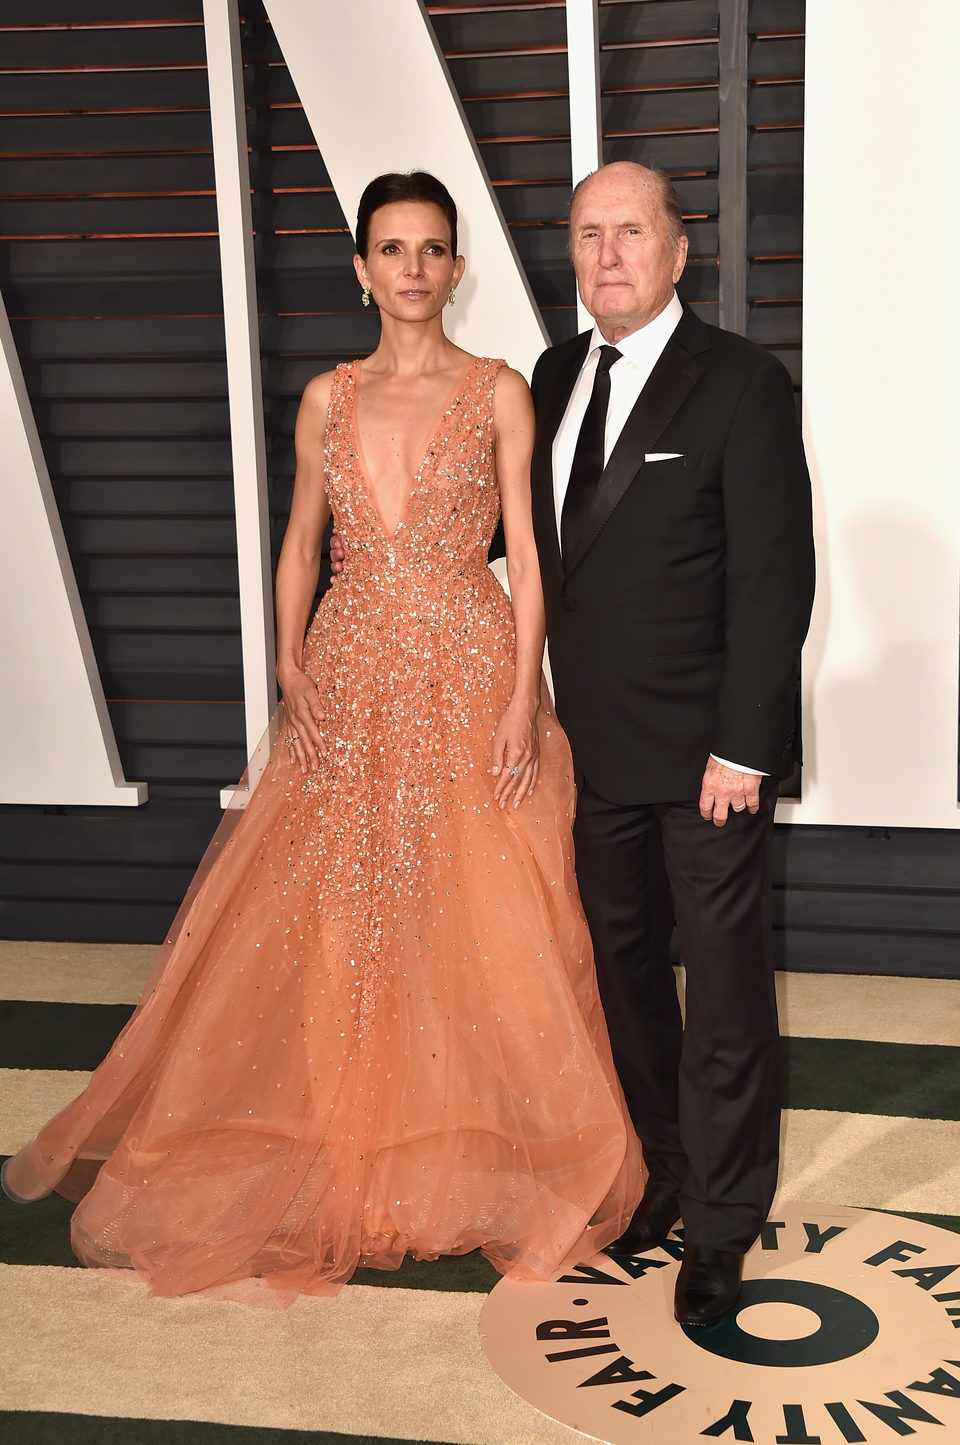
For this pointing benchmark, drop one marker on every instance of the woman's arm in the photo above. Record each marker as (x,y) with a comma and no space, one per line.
(516,743)
(298,571)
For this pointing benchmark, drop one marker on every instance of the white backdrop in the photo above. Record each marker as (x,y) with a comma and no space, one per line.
(56,738)
(881,380)
(385,50)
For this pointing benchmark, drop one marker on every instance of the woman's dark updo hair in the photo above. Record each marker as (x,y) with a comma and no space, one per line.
(403,186)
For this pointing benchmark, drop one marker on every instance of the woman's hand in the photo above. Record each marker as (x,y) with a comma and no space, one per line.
(516,754)
(301,702)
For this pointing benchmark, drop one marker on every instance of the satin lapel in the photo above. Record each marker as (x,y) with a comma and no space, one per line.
(670,383)
(553,398)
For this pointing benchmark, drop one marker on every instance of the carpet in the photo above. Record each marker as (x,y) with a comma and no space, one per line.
(872,1118)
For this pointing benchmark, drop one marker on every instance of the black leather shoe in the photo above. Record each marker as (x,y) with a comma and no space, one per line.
(652,1221)
(708,1284)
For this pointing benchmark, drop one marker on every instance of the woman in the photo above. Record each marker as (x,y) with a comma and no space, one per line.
(376,1031)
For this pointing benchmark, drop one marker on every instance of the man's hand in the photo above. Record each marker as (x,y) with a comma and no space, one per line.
(723,789)
(337,555)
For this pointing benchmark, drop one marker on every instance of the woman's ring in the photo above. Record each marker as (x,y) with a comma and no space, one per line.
(291,740)
(514,772)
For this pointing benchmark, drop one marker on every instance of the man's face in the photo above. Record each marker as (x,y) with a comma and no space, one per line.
(626,260)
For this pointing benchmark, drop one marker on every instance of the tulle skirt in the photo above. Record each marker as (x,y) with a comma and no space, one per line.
(361,1041)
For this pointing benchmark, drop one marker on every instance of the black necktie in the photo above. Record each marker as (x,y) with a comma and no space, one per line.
(588,455)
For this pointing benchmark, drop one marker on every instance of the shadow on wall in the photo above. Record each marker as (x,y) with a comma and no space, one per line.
(882,697)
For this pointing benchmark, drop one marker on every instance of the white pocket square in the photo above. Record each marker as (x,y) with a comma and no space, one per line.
(662,456)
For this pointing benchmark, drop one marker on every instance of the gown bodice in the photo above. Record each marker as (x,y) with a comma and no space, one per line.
(453,501)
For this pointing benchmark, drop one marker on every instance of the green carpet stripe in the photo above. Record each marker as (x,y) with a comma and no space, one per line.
(470,1273)
(919,1081)
(850,1076)
(58,1035)
(40,1427)
(36,1233)
(39,1234)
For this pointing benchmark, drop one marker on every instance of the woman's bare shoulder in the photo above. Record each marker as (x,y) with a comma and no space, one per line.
(511,397)
(314,407)
(510,383)
(316,393)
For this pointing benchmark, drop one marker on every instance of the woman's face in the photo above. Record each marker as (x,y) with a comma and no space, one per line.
(409,267)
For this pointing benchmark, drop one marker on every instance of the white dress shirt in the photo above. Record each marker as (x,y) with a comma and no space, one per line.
(640,352)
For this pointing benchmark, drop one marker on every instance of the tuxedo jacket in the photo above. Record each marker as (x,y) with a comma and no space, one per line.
(676,620)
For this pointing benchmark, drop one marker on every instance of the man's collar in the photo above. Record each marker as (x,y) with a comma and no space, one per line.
(654,336)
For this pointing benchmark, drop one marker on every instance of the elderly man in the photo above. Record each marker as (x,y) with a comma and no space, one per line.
(672,510)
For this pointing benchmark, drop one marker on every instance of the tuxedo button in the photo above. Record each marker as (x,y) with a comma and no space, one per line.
(569,605)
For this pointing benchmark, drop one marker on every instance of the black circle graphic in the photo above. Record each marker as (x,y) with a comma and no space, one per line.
(847,1326)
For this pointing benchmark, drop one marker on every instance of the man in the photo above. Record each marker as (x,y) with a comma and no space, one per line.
(672,512)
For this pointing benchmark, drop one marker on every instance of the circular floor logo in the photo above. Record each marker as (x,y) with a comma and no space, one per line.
(847,1330)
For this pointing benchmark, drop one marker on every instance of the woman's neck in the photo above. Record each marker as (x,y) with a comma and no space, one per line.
(412,348)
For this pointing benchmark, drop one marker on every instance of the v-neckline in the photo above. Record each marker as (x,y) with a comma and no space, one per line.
(423,454)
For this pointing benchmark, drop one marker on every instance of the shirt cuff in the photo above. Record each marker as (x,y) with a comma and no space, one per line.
(738,767)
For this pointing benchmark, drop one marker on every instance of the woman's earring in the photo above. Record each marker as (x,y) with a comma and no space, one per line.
(453,296)
(365,296)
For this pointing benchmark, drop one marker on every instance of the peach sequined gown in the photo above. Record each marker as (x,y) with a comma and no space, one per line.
(375,1030)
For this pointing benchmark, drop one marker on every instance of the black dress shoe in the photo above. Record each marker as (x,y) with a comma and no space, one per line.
(652,1221)
(708,1284)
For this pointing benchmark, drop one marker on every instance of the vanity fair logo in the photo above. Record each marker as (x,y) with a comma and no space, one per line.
(847,1330)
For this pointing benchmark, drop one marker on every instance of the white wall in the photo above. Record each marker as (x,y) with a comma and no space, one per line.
(56,738)
(881,381)
(378,98)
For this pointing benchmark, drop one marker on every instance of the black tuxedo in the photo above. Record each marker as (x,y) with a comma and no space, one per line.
(675,623)
(675,626)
